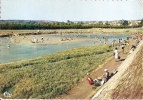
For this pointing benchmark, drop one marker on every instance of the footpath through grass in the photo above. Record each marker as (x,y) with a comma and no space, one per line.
(52,75)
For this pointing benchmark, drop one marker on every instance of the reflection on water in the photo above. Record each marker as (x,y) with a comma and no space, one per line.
(10,52)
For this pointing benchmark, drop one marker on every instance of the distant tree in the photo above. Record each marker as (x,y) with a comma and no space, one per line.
(141,22)
(100,22)
(68,21)
(81,22)
(107,23)
(125,23)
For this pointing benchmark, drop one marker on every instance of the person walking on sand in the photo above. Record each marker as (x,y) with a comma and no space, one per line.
(116,54)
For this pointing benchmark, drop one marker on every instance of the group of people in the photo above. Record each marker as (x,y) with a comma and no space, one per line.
(123,45)
(34,40)
(116,55)
(101,80)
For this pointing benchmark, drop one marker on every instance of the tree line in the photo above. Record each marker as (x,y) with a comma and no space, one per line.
(63,25)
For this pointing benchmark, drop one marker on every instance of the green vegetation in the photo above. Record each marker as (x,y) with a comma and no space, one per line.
(52,75)
(125,23)
(71,31)
(20,25)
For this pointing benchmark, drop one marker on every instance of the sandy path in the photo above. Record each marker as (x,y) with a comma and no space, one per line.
(125,73)
(83,89)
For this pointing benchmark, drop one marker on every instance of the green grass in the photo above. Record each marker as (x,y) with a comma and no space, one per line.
(52,75)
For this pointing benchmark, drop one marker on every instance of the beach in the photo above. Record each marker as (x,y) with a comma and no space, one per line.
(26,36)
(37,39)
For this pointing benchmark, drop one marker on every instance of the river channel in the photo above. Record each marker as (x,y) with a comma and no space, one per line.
(18,52)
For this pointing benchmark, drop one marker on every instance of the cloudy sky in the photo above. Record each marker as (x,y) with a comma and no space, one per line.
(73,10)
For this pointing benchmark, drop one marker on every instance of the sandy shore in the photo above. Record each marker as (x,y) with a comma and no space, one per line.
(29,39)
(18,35)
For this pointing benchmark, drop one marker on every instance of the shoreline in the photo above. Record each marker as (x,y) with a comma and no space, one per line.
(7,33)
(26,36)
(46,40)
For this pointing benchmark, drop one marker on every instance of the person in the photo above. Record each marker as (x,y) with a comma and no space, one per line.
(42,39)
(95,82)
(119,42)
(98,82)
(127,44)
(100,42)
(106,76)
(127,38)
(123,46)
(90,80)
(116,54)
(132,49)
(8,45)
(113,43)
(141,36)
(104,41)
(137,42)
(38,31)
(24,37)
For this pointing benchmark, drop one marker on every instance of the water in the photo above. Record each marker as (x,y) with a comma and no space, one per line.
(18,52)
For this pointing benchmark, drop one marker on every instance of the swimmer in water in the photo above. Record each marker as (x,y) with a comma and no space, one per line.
(8,45)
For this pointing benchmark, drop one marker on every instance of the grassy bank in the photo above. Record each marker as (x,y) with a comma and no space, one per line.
(52,75)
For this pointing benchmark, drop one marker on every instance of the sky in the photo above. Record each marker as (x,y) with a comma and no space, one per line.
(73,10)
